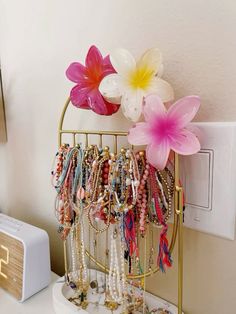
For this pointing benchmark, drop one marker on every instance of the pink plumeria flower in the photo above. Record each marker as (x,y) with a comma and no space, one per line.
(86,94)
(165,130)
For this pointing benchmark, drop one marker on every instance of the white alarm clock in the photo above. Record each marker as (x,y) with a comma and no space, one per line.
(24,258)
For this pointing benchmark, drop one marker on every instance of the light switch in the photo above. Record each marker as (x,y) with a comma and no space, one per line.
(209,180)
(198,179)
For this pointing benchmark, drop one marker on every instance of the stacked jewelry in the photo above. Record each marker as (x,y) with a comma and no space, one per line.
(119,192)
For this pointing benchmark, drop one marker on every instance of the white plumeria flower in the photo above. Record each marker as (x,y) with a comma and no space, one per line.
(134,80)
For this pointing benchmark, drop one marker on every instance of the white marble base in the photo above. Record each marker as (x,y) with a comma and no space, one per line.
(61,292)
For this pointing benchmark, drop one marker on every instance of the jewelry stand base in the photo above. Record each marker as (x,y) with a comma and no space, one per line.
(62,292)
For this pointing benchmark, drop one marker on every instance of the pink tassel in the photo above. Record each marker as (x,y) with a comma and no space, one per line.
(164,256)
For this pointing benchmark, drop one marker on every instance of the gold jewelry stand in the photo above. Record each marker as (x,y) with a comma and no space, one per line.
(178,204)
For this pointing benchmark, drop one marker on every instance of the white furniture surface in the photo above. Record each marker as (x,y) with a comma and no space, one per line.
(40,303)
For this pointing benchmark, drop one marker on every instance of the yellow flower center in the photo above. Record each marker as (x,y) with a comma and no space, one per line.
(141,78)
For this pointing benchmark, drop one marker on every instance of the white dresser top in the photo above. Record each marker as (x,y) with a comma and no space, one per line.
(40,303)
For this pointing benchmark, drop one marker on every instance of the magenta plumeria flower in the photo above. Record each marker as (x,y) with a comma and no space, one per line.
(165,130)
(86,94)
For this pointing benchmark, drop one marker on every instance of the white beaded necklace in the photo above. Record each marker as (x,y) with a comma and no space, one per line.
(82,252)
(74,273)
(114,282)
(123,276)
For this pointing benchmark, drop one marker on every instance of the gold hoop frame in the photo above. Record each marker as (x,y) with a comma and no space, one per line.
(178,204)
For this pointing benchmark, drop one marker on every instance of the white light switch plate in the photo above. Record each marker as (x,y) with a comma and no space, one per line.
(209,180)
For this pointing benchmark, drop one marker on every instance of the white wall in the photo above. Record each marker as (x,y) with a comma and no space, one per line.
(38,41)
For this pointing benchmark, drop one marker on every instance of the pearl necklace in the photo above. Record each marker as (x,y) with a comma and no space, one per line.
(74,273)
(123,276)
(114,282)
(80,247)
(84,265)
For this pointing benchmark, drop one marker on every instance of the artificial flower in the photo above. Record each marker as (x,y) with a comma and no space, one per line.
(134,80)
(85,94)
(165,130)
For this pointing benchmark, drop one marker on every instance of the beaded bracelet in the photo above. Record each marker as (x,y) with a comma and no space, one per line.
(96,175)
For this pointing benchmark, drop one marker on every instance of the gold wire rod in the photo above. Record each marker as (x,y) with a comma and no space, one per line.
(146,274)
(180,252)
(177,187)
(61,131)
(65,258)
(106,269)
(176,205)
(100,140)
(115,144)
(62,120)
(86,140)
(74,139)
(111,133)
(174,231)
(144,267)
(179,211)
